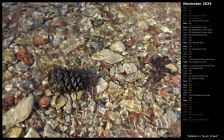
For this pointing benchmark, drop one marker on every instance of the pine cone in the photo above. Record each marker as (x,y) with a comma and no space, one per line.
(67,80)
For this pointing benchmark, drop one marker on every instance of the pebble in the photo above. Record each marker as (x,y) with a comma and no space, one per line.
(129,68)
(61,101)
(40,41)
(8,56)
(108,56)
(53,123)
(172,67)
(118,46)
(134,77)
(50,133)
(20,112)
(26,84)
(115,88)
(68,107)
(101,85)
(131,105)
(25,56)
(44,101)
(14,132)
(32,133)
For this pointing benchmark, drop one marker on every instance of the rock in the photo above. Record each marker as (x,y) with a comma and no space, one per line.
(8,87)
(165,29)
(9,100)
(108,56)
(135,76)
(61,101)
(53,123)
(101,85)
(50,133)
(115,88)
(114,116)
(68,107)
(24,55)
(22,67)
(129,68)
(172,67)
(175,80)
(8,56)
(157,110)
(118,46)
(56,42)
(79,95)
(20,112)
(163,92)
(131,105)
(32,133)
(40,41)
(14,132)
(44,101)
(26,84)
(96,45)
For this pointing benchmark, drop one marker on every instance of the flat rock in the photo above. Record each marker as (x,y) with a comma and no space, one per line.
(32,133)
(14,132)
(20,112)
(118,46)
(108,56)
(101,85)
(50,133)
(131,105)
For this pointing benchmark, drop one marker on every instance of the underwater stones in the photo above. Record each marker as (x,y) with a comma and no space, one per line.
(14,132)
(50,133)
(113,87)
(129,68)
(22,67)
(20,112)
(135,76)
(118,46)
(172,67)
(131,105)
(32,133)
(108,56)
(101,85)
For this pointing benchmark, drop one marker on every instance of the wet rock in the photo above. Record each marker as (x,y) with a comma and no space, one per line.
(118,46)
(101,85)
(40,41)
(134,77)
(172,67)
(61,101)
(9,100)
(22,67)
(44,101)
(165,29)
(114,116)
(115,88)
(14,132)
(32,133)
(157,110)
(131,105)
(24,55)
(20,112)
(8,56)
(149,132)
(96,45)
(68,107)
(108,56)
(129,68)
(26,84)
(50,133)
(53,123)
